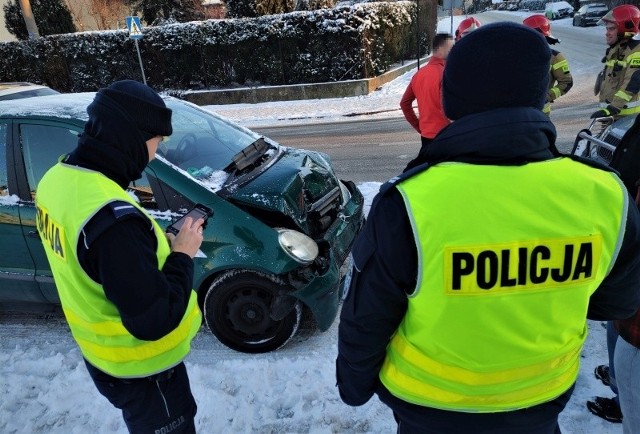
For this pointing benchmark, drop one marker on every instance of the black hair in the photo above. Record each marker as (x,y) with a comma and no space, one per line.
(439,39)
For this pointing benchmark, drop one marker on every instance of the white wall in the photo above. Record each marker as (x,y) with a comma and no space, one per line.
(4,35)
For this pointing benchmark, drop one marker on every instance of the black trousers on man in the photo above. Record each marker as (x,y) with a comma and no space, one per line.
(160,403)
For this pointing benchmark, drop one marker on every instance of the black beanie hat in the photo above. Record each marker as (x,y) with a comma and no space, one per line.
(143,106)
(498,65)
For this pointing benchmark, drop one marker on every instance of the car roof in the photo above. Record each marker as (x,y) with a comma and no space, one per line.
(64,105)
(17,85)
(9,88)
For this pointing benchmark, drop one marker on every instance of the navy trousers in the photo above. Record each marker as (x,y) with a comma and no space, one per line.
(159,404)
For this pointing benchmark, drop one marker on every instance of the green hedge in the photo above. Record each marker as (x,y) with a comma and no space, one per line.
(353,42)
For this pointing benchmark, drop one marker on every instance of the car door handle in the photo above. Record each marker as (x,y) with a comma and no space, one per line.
(33,234)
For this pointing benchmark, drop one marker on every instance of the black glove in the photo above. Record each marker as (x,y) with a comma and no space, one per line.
(609,111)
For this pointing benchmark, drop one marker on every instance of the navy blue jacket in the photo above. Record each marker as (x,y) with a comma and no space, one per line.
(385,254)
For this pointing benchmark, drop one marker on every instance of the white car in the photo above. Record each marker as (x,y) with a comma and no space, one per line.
(557,10)
(16,90)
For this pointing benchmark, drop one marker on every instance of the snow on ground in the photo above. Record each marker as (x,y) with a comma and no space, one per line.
(44,386)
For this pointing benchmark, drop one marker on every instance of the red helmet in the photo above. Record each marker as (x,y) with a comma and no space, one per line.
(540,23)
(467,25)
(626,18)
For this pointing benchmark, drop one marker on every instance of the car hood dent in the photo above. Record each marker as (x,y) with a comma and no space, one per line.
(291,185)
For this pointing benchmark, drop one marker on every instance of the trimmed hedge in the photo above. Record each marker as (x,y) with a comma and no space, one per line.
(351,42)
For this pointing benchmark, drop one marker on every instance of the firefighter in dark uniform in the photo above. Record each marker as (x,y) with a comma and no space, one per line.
(618,84)
(560,79)
(476,271)
(125,286)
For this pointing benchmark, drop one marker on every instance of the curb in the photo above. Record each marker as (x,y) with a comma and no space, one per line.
(339,89)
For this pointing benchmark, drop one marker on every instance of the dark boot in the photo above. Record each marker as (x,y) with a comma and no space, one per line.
(602,373)
(606,408)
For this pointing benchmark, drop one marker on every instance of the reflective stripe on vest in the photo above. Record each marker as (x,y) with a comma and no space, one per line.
(498,316)
(66,200)
(628,109)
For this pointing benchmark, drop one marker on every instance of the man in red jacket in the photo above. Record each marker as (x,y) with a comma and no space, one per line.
(426,87)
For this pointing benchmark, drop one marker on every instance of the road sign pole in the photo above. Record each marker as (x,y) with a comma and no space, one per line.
(135,33)
(144,79)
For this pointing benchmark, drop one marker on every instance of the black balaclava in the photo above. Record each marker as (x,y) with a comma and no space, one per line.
(122,117)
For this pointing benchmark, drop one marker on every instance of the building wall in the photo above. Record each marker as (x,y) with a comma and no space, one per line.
(4,35)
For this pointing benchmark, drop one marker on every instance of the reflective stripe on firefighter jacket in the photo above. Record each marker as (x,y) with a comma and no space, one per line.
(498,316)
(66,200)
(560,79)
(621,77)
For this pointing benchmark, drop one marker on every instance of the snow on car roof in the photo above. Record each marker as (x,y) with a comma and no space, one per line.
(64,105)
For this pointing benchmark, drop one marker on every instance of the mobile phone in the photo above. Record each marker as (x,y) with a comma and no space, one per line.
(197,212)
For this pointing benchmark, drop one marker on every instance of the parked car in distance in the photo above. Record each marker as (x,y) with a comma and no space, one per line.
(589,15)
(21,89)
(276,247)
(557,10)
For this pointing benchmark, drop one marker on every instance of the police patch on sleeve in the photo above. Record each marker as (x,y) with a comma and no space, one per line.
(539,264)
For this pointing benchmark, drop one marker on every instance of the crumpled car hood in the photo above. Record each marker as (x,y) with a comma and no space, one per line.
(290,186)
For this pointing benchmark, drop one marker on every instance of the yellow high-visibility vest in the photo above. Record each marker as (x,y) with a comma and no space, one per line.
(67,198)
(508,258)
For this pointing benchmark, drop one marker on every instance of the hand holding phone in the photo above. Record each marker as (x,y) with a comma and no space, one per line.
(197,212)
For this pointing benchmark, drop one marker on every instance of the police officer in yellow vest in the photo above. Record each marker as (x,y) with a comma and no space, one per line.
(125,287)
(475,272)
(618,83)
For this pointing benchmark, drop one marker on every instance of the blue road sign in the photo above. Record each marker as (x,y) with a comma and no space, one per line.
(134,26)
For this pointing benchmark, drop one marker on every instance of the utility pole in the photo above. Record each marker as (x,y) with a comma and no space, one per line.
(418,33)
(29,21)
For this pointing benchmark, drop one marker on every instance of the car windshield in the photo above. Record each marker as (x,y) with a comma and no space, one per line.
(202,142)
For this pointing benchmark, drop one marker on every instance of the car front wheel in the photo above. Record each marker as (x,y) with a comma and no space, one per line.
(237,309)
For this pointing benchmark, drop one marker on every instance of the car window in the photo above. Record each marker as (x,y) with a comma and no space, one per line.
(42,146)
(3,159)
(201,141)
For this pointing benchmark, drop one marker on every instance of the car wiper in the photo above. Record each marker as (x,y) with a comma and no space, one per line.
(249,155)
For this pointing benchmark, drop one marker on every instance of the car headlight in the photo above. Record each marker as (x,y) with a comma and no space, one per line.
(297,245)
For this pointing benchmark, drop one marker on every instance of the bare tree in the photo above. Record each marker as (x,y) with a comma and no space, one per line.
(105,14)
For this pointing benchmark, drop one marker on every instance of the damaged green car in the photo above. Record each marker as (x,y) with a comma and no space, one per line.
(282,229)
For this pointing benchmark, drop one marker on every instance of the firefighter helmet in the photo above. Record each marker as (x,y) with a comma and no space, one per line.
(467,25)
(626,18)
(540,23)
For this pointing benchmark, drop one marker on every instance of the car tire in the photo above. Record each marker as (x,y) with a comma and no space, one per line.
(237,310)
(574,22)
